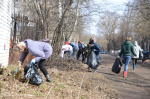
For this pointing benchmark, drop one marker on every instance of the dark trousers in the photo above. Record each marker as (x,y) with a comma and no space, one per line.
(79,54)
(134,61)
(41,66)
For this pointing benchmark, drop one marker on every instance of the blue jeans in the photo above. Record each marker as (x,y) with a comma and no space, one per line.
(97,54)
(126,60)
(71,53)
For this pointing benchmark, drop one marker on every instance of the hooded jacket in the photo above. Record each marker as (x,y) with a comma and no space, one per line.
(127,49)
(137,49)
(66,47)
(39,49)
(74,46)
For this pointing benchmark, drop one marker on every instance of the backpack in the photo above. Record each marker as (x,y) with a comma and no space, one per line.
(81,46)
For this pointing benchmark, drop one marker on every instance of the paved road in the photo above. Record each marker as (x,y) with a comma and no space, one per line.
(135,86)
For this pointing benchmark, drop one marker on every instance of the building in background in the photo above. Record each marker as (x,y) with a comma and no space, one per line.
(6,7)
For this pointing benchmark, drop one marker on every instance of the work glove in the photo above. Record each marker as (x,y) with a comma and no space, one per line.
(118,56)
(33,61)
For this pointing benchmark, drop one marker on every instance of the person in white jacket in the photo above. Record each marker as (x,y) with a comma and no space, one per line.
(138,51)
(67,48)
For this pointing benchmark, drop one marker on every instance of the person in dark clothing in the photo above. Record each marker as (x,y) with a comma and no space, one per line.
(96,48)
(40,49)
(81,50)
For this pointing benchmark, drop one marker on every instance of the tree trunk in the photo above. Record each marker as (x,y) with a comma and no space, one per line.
(57,37)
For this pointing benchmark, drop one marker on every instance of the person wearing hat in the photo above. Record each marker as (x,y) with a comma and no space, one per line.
(137,50)
(93,46)
(96,48)
(67,48)
(40,49)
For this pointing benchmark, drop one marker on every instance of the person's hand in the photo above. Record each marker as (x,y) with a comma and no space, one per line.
(94,50)
(118,56)
(33,61)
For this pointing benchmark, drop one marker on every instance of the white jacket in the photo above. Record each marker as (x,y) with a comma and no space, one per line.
(65,48)
(137,49)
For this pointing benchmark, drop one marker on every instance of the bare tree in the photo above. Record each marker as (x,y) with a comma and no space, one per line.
(108,26)
(141,16)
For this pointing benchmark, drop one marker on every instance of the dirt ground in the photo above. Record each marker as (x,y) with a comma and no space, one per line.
(71,80)
(137,83)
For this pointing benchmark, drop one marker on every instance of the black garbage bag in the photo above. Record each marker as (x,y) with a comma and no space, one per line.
(85,60)
(31,73)
(116,68)
(92,60)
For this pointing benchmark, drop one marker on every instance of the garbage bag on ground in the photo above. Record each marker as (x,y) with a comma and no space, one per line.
(31,73)
(116,68)
(92,60)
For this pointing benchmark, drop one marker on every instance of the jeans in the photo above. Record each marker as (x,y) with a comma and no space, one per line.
(97,54)
(70,53)
(126,60)
(75,53)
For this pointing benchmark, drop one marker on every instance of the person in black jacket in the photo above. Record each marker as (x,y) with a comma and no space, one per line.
(81,50)
(96,48)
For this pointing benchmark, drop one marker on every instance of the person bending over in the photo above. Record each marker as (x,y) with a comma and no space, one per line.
(40,49)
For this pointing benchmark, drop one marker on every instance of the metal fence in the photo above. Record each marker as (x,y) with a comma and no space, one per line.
(22,29)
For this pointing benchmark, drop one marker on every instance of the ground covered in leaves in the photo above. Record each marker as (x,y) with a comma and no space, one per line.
(70,80)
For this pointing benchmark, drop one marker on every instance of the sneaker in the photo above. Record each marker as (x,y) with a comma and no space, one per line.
(99,62)
(89,69)
(95,70)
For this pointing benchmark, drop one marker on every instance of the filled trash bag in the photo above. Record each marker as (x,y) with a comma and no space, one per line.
(92,60)
(31,73)
(85,60)
(116,68)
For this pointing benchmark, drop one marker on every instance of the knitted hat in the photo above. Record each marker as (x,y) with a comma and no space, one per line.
(94,38)
(67,43)
(91,41)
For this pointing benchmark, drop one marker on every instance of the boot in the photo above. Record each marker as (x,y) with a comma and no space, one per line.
(48,79)
(89,69)
(124,73)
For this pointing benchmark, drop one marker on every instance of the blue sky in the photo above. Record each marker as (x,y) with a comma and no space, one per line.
(110,5)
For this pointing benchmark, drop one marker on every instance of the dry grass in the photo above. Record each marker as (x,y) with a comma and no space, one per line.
(69,81)
(65,85)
